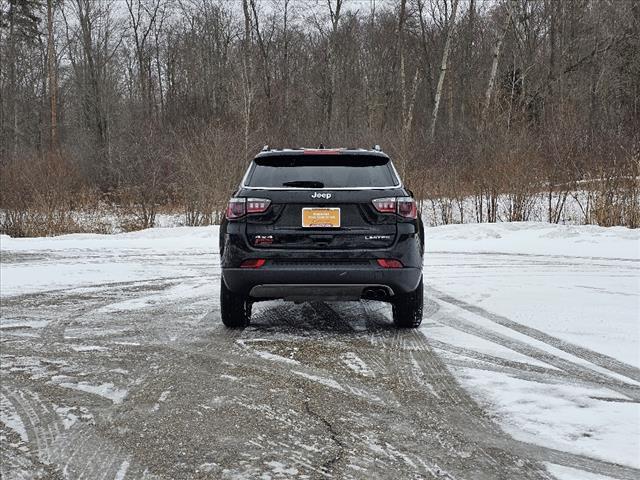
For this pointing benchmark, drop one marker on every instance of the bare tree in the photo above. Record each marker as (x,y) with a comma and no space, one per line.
(247,84)
(443,69)
(143,15)
(138,101)
(332,51)
(494,64)
(52,76)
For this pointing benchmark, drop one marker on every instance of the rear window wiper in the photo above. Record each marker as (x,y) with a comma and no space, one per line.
(304,184)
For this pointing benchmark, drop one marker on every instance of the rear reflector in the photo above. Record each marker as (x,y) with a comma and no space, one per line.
(253,263)
(389,263)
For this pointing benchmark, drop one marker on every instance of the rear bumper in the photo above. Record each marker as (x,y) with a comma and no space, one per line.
(347,283)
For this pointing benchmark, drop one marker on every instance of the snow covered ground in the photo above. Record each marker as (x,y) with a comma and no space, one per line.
(564,300)
(539,323)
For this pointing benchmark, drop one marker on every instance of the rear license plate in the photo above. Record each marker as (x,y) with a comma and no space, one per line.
(321,217)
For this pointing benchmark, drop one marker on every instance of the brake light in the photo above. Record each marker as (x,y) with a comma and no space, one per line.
(238,207)
(404,206)
(253,263)
(389,263)
(321,151)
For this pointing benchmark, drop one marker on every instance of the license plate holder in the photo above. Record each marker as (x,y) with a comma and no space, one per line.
(313,217)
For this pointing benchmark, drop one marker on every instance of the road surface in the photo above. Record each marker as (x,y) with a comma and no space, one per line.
(139,379)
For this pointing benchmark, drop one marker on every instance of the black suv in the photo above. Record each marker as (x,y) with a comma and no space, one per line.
(321,224)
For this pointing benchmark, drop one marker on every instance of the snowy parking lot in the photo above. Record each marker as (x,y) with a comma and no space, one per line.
(114,363)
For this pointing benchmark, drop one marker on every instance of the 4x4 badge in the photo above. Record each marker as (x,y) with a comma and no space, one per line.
(326,196)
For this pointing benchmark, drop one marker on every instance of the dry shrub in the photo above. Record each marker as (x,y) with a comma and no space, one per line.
(521,180)
(615,200)
(612,193)
(208,172)
(45,196)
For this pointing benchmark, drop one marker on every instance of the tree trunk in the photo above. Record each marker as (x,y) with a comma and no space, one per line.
(52,80)
(443,70)
(246,75)
(494,67)
(468,55)
(398,53)
(285,71)
(94,102)
(330,88)
(12,81)
(266,73)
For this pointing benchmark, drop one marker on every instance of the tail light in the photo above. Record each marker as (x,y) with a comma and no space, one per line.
(389,263)
(385,205)
(404,206)
(253,263)
(239,207)
(236,208)
(257,205)
(407,207)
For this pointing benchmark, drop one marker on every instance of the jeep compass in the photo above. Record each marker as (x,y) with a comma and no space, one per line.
(321,224)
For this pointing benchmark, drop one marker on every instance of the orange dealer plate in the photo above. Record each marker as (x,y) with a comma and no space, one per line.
(321,217)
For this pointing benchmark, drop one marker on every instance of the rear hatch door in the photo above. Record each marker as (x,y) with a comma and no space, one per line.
(321,201)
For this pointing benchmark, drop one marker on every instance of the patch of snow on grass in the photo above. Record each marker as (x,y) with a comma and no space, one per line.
(281,469)
(568,473)
(70,415)
(89,348)
(355,363)
(9,416)
(327,382)
(263,353)
(277,358)
(9,323)
(106,390)
(122,471)
(163,397)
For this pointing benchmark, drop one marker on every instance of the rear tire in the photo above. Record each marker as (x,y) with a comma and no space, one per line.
(407,308)
(235,309)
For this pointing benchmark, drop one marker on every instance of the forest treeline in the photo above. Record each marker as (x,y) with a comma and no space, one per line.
(149,105)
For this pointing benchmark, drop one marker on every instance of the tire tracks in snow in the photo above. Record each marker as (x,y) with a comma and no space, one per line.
(596,358)
(78,452)
(579,371)
(452,413)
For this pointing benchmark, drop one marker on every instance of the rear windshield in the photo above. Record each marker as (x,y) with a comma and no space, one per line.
(321,171)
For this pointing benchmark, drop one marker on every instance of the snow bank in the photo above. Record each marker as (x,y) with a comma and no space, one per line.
(83,260)
(160,239)
(532,238)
